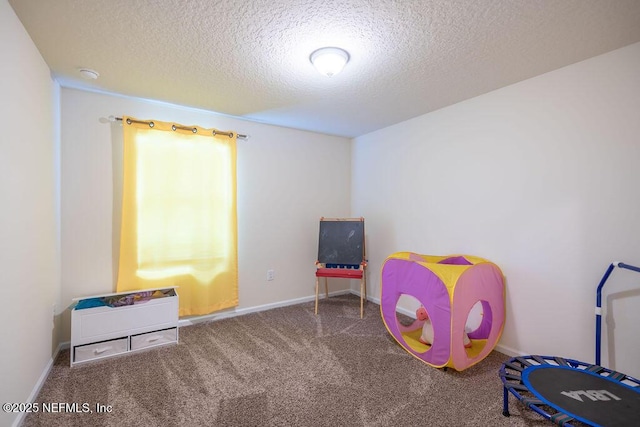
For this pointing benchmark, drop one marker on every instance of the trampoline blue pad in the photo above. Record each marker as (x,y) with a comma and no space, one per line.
(591,398)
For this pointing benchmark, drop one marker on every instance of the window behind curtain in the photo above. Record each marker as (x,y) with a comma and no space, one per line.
(179,224)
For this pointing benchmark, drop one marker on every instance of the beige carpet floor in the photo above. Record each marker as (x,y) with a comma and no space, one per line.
(282,367)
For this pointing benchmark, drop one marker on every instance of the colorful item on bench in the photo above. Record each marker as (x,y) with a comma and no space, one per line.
(448,288)
(119,300)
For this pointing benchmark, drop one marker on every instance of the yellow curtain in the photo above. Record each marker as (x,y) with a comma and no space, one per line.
(179,222)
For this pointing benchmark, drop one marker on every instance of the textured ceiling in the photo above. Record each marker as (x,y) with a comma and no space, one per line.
(251,58)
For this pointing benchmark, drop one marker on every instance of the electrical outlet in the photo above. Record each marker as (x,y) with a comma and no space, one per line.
(271,275)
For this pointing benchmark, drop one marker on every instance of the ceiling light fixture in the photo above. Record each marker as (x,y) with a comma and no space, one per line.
(88,73)
(329,60)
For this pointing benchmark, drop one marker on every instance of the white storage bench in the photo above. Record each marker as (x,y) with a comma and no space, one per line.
(97,331)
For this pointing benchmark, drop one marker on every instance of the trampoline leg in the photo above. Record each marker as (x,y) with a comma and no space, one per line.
(505,403)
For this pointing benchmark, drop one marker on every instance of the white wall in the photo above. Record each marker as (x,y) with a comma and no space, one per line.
(29,245)
(540,177)
(287,180)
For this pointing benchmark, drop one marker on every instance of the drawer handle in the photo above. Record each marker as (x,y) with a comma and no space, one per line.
(154,338)
(102,350)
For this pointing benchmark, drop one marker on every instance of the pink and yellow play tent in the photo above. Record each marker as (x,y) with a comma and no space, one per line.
(448,287)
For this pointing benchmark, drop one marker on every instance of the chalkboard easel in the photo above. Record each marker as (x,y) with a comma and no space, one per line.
(341,253)
(341,242)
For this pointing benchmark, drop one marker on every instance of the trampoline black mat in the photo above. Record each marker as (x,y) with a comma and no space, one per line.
(585,396)
(566,390)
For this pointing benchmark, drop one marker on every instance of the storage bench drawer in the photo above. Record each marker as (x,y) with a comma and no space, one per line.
(101,327)
(102,349)
(151,339)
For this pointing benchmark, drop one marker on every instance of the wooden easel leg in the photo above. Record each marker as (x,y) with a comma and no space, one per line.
(326,287)
(317,280)
(364,280)
(362,296)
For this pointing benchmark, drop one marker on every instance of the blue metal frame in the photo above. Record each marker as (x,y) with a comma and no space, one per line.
(599,303)
(511,371)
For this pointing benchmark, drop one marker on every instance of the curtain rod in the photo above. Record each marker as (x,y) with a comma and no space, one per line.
(239,135)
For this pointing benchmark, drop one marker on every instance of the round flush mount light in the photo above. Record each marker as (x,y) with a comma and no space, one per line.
(88,74)
(329,60)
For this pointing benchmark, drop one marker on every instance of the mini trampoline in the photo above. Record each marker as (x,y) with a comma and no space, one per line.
(566,390)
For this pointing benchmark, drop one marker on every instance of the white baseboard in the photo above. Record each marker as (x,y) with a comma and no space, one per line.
(401,310)
(242,311)
(508,351)
(36,389)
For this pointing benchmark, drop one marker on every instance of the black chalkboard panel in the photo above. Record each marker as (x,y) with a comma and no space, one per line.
(341,241)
